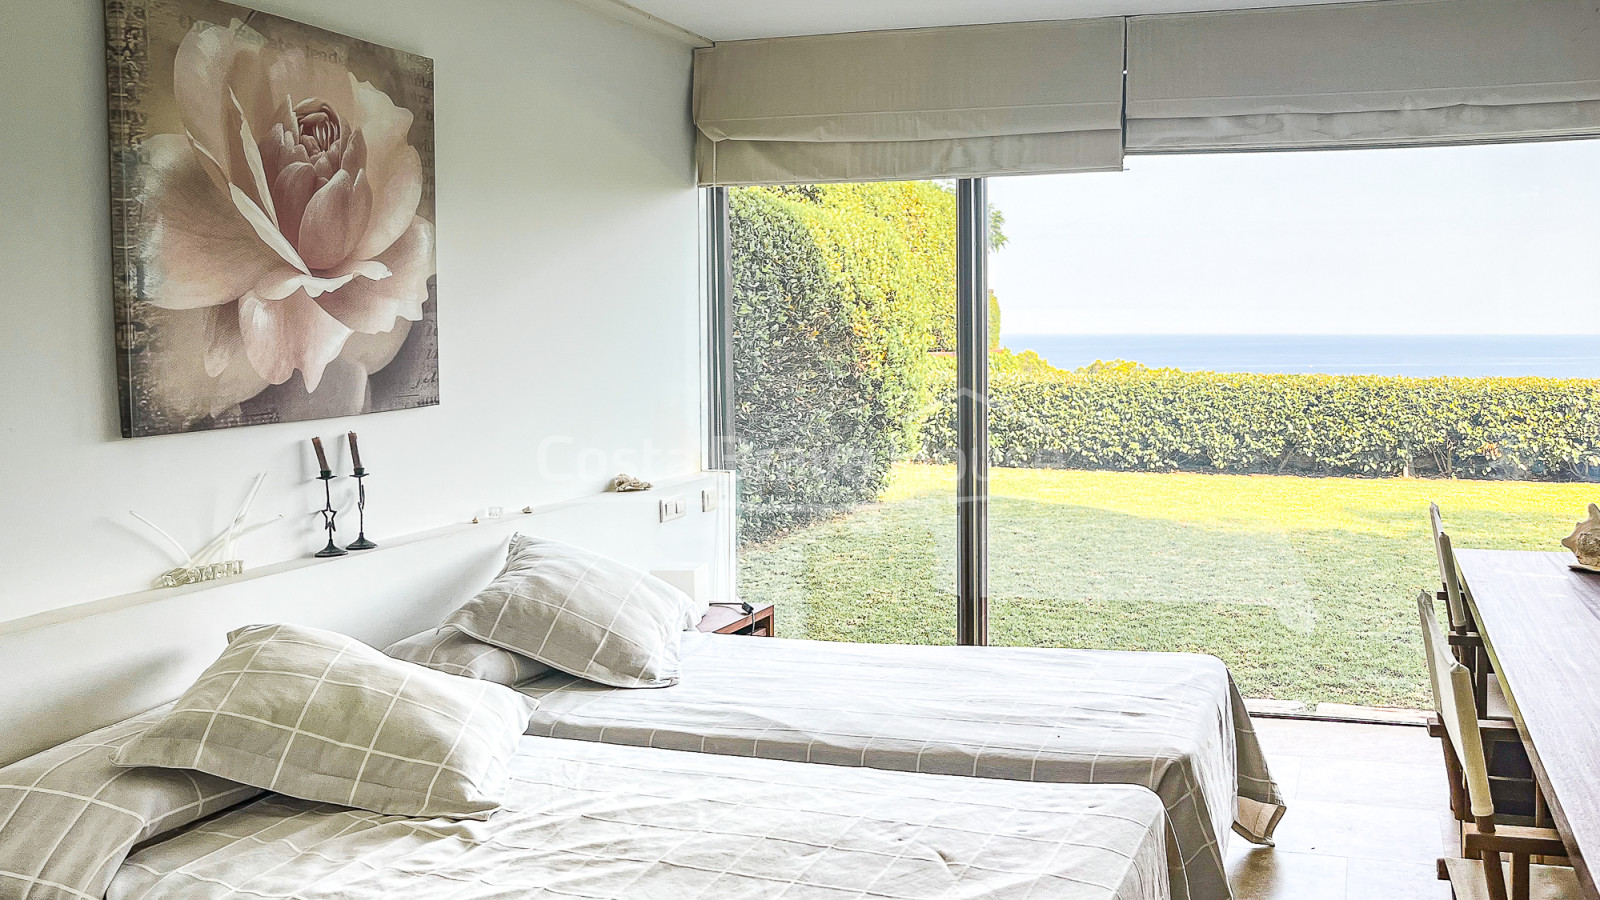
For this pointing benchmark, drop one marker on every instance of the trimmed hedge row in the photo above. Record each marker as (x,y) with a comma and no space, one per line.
(839,293)
(794,352)
(1128,417)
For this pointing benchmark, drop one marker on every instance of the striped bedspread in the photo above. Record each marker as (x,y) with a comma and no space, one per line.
(595,822)
(1171,722)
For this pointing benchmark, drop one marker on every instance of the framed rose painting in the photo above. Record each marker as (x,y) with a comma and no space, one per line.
(272,219)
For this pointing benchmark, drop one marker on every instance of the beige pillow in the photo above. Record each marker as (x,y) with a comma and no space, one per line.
(447,649)
(324,717)
(68,816)
(580,612)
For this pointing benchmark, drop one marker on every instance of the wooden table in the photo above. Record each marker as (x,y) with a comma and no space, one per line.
(733,620)
(1540,621)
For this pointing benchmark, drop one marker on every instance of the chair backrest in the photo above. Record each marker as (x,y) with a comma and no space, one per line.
(1449,575)
(1458,711)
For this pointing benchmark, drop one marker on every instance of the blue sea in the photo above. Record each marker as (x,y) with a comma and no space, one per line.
(1548,356)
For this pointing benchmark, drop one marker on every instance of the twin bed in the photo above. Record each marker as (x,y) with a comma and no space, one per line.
(596,821)
(1171,723)
(775,768)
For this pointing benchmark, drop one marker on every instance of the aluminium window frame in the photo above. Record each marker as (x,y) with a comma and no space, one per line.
(972,412)
(720,448)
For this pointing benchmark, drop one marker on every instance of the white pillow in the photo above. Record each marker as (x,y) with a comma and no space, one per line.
(68,816)
(580,612)
(324,717)
(448,650)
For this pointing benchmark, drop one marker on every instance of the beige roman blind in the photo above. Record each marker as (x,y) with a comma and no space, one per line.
(928,103)
(1392,73)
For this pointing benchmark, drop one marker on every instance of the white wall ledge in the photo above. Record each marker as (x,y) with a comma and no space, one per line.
(103,605)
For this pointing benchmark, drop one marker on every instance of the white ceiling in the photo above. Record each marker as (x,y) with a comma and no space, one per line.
(731,20)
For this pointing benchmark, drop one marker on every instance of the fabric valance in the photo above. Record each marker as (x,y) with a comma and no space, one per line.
(929,103)
(1395,73)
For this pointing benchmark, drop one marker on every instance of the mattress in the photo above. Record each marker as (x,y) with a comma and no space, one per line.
(1171,722)
(602,822)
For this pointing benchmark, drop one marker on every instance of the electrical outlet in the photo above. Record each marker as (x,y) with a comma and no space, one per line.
(673,508)
(708,499)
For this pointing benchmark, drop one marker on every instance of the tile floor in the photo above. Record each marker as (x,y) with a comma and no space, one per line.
(1368,815)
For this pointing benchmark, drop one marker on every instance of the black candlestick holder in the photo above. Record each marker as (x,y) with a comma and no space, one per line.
(361,542)
(328,516)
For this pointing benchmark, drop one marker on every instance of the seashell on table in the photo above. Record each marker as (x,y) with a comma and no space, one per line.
(1584,542)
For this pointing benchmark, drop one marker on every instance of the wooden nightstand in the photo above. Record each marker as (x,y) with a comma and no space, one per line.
(733,620)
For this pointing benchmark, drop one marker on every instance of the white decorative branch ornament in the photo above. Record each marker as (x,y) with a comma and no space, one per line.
(203,564)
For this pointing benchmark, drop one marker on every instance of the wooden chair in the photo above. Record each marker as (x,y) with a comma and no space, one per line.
(1482,873)
(1465,642)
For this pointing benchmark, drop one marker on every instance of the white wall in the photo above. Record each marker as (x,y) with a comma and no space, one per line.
(568,284)
(377,597)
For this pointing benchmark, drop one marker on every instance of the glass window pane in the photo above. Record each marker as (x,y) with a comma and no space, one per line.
(1230,386)
(843,326)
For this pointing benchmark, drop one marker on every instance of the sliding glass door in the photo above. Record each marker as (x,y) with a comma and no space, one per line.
(1218,394)
(1230,385)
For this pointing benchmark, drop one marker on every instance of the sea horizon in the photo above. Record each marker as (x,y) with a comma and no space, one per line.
(1420,356)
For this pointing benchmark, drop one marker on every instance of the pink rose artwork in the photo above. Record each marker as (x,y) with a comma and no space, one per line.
(282,253)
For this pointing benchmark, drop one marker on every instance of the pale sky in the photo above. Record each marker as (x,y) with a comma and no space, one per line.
(1455,240)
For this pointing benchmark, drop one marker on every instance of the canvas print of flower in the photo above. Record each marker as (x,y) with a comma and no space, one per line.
(272,219)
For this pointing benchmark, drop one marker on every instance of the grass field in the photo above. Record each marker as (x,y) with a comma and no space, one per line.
(1305,586)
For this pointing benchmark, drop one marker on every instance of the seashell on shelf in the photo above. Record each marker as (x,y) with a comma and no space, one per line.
(625,483)
(1584,542)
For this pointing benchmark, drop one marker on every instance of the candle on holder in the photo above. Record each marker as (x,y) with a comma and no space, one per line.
(361,496)
(322,458)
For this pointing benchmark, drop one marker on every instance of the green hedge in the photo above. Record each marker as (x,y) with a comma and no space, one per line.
(840,293)
(1125,416)
(827,366)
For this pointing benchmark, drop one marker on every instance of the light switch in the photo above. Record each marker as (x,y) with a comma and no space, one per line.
(673,508)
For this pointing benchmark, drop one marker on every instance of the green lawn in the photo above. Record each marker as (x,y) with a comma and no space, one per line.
(1305,586)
